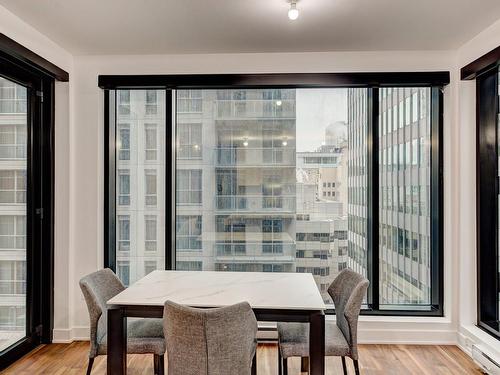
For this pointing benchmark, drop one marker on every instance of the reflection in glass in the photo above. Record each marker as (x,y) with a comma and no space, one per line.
(13,138)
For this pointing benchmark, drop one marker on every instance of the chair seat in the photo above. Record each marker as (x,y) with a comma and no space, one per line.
(294,340)
(143,336)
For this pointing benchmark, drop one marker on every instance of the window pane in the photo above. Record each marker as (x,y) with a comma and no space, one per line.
(140,183)
(278,184)
(404,231)
(13,142)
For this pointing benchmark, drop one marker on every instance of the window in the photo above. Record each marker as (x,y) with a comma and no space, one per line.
(123,142)
(189,141)
(151,145)
(124,187)
(188,232)
(151,188)
(189,186)
(123,233)
(151,102)
(124,102)
(123,272)
(12,186)
(149,266)
(13,142)
(488,208)
(270,193)
(150,228)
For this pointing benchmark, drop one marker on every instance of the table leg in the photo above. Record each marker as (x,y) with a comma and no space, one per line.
(117,342)
(317,344)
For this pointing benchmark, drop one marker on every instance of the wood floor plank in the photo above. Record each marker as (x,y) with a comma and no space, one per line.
(71,359)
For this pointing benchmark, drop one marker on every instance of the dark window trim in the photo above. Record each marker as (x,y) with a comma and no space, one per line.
(10,47)
(487,109)
(481,65)
(277,80)
(40,203)
(372,81)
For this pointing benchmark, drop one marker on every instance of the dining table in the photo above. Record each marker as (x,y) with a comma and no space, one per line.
(274,297)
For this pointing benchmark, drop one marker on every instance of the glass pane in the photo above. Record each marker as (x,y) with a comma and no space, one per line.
(140,191)
(404,200)
(13,129)
(271,181)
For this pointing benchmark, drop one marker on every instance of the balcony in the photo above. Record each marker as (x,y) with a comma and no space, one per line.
(254,109)
(249,252)
(257,157)
(255,204)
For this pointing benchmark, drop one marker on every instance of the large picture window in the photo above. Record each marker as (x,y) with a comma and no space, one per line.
(283,179)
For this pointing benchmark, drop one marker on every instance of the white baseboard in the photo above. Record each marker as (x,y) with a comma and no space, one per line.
(366,336)
(66,336)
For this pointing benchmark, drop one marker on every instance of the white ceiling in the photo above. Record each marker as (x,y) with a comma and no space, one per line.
(220,26)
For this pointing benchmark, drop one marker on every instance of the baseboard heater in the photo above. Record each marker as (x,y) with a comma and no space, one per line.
(485,361)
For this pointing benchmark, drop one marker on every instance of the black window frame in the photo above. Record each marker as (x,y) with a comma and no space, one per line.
(23,66)
(485,71)
(371,81)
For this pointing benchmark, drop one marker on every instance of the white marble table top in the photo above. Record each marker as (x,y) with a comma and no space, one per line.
(263,290)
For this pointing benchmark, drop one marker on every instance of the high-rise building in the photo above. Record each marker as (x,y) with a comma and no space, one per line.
(13,140)
(404,184)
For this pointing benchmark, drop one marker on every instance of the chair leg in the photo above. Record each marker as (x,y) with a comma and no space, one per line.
(285,366)
(156,362)
(304,364)
(356,366)
(280,362)
(344,366)
(89,367)
(161,365)
(254,364)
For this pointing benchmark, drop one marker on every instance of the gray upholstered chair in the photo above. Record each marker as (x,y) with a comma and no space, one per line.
(219,341)
(144,335)
(341,337)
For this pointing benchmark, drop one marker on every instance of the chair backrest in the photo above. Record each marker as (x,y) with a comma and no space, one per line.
(347,291)
(220,341)
(98,288)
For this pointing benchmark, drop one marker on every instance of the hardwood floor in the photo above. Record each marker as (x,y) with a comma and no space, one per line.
(71,359)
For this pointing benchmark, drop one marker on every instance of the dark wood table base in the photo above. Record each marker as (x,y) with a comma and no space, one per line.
(117,332)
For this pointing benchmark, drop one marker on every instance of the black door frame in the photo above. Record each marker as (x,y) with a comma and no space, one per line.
(24,67)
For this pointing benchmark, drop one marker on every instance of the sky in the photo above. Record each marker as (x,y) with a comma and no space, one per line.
(315,110)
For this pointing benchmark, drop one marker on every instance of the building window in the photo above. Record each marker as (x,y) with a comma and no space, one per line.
(189,266)
(124,187)
(189,101)
(12,186)
(124,102)
(151,102)
(12,277)
(123,233)
(12,141)
(150,196)
(188,232)
(123,145)
(189,141)
(149,266)
(12,232)
(189,186)
(151,144)
(150,228)
(123,272)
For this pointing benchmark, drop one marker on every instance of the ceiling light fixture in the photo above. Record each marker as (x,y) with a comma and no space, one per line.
(293,12)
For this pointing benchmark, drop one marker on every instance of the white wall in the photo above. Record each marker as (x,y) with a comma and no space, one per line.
(468,332)
(87,160)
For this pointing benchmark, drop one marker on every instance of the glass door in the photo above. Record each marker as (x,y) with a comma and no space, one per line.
(13,205)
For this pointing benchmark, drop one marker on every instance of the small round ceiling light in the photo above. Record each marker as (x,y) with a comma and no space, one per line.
(293,12)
